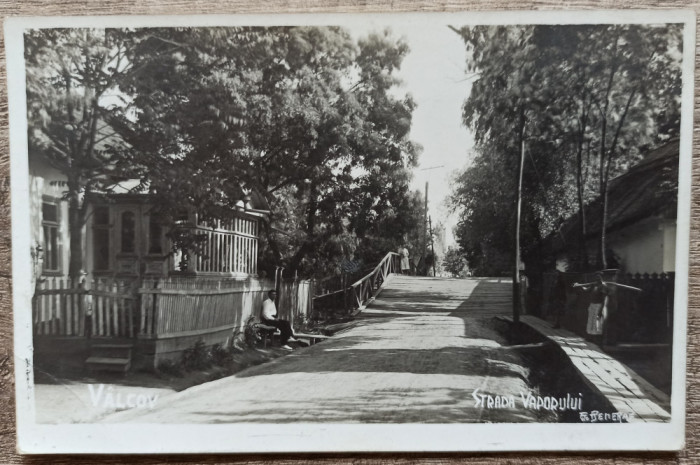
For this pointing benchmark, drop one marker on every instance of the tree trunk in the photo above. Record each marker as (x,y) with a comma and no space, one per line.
(76,221)
(606,178)
(516,271)
(271,242)
(582,251)
(310,226)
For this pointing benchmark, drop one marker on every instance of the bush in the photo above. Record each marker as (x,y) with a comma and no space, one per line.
(220,356)
(251,335)
(196,357)
(170,368)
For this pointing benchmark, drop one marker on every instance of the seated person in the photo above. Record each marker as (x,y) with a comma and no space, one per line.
(269,317)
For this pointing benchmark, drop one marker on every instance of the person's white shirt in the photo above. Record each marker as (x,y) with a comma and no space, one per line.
(269,310)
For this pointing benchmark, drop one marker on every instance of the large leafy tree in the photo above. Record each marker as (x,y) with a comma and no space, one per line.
(304,115)
(73,92)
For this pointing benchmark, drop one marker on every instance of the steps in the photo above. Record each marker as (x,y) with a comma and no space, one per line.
(109,357)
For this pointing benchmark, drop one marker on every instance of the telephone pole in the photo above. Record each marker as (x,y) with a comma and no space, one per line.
(425,218)
(432,242)
(425,226)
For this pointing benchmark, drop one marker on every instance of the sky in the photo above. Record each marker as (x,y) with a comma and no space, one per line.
(434,74)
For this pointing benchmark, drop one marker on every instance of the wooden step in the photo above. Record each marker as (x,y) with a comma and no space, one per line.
(108,363)
(113,346)
(111,350)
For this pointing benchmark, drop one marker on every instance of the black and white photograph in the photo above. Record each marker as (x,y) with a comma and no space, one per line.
(330,233)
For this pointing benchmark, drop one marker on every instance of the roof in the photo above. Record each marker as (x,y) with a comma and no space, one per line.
(648,189)
(134,188)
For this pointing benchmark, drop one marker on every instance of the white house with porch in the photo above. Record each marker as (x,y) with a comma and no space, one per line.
(146,295)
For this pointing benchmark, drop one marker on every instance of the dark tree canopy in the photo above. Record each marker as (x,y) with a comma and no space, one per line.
(307,117)
(589,101)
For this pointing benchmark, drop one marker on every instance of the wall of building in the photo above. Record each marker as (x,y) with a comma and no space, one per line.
(134,264)
(645,247)
(669,229)
(41,177)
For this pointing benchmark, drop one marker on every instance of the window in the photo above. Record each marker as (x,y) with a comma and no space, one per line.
(100,238)
(128,232)
(155,236)
(50,224)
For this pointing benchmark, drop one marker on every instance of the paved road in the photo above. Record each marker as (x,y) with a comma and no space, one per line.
(415,355)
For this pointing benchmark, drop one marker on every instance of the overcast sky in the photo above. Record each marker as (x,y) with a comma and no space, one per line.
(433,73)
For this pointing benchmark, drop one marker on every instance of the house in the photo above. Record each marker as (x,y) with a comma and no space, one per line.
(151,297)
(641,219)
(123,238)
(641,240)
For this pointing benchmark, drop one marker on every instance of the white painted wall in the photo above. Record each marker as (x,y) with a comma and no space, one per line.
(646,247)
(40,177)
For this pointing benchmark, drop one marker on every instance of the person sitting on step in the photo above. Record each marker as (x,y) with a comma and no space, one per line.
(269,317)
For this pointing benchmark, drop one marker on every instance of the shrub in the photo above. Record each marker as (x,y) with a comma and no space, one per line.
(251,335)
(220,356)
(196,357)
(170,368)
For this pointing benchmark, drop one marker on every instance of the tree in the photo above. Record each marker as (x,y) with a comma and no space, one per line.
(455,263)
(73,83)
(584,99)
(303,115)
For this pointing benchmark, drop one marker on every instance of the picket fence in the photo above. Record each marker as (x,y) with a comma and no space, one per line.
(59,308)
(161,308)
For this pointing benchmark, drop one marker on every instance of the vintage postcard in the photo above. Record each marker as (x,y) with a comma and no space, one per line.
(387,232)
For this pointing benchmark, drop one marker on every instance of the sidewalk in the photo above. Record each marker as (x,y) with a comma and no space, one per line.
(628,392)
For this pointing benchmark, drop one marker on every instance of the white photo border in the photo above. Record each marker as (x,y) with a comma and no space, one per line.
(34,438)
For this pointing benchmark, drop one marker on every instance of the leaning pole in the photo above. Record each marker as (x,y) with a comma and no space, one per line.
(516,268)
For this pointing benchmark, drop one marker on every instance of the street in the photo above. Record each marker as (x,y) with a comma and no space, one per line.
(417,354)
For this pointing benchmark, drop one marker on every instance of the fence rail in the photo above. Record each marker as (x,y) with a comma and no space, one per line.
(366,287)
(353,290)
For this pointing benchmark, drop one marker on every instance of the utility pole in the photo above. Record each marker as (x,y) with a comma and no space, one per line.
(432,242)
(425,226)
(516,270)
(425,216)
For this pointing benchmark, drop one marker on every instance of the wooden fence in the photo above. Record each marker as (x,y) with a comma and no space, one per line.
(190,306)
(367,286)
(334,293)
(355,293)
(635,317)
(58,308)
(295,300)
(160,308)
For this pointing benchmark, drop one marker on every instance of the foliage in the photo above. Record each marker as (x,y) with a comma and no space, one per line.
(220,355)
(587,101)
(455,263)
(303,115)
(308,117)
(251,333)
(170,368)
(196,357)
(73,87)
